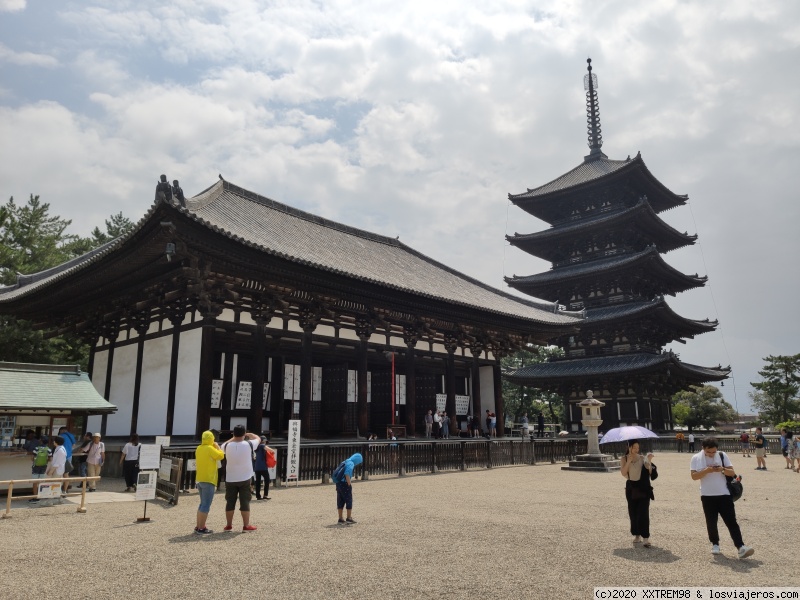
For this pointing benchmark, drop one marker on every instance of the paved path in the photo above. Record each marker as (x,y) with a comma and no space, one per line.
(516,532)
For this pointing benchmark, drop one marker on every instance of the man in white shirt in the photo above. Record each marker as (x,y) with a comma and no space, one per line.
(59,461)
(710,468)
(238,473)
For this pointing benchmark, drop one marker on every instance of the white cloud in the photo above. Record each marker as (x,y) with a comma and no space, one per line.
(12,5)
(26,59)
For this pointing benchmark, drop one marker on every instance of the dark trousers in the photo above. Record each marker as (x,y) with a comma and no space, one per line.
(259,476)
(721,506)
(639,514)
(130,469)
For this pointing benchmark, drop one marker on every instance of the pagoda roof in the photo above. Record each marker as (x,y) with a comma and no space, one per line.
(658,307)
(247,219)
(545,244)
(26,388)
(635,363)
(564,276)
(593,173)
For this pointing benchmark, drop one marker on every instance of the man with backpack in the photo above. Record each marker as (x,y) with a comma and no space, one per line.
(264,460)
(342,477)
(41,455)
(239,451)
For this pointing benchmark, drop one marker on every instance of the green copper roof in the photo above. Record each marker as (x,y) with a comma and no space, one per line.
(28,387)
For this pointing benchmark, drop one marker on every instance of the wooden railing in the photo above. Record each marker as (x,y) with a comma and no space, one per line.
(35,482)
(406,457)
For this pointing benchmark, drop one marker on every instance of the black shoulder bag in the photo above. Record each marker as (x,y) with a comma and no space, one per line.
(735,486)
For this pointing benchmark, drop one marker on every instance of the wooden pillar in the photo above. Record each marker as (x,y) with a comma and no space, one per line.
(256,416)
(227,392)
(141,330)
(203,420)
(111,332)
(450,384)
(498,399)
(308,321)
(364,329)
(476,384)
(176,319)
(276,389)
(363,407)
(411,339)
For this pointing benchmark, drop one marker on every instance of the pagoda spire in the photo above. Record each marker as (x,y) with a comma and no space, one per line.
(592,116)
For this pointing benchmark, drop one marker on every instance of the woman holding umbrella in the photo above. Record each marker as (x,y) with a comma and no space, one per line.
(638,470)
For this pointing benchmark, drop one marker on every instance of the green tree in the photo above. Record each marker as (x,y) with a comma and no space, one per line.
(776,397)
(701,406)
(518,399)
(31,241)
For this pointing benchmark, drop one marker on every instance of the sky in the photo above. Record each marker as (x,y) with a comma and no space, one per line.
(417,119)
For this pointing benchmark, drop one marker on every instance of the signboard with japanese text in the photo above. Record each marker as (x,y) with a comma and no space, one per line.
(441,401)
(266,403)
(462,405)
(293,452)
(162,440)
(244,394)
(216,393)
(191,464)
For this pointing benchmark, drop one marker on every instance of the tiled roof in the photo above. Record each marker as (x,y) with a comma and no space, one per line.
(31,387)
(610,365)
(604,221)
(304,238)
(621,311)
(583,173)
(599,266)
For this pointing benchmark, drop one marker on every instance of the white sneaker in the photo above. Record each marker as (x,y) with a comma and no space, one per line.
(715,549)
(745,551)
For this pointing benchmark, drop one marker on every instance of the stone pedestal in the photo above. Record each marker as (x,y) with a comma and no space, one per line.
(599,463)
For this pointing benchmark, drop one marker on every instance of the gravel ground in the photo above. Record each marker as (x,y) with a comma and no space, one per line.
(531,532)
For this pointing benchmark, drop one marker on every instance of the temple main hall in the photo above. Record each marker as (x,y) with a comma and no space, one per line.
(237,309)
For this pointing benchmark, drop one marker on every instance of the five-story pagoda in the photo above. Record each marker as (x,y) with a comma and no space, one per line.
(605,244)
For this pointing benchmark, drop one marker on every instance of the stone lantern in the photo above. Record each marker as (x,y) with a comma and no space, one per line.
(591,420)
(593,460)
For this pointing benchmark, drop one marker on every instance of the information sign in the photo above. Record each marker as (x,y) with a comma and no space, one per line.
(244,395)
(149,456)
(146,485)
(191,464)
(49,490)
(165,469)
(216,393)
(162,440)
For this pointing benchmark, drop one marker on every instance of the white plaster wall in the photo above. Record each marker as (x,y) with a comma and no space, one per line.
(329,331)
(439,349)
(346,334)
(294,325)
(155,386)
(123,379)
(245,318)
(487,390)
(188,383)
(227,315)
(99,382)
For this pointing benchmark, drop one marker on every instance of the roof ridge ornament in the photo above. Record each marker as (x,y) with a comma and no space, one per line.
(592,116)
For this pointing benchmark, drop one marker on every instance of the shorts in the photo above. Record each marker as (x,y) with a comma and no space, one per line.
(206,491)
(344,496)
(746,445)
(240,489)
(38,472)
(761,452)
(785,452)
(68,466)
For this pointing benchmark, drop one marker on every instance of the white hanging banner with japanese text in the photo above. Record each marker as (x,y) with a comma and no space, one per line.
(293,452)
